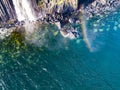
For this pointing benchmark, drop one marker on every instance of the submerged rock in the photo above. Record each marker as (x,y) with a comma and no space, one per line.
(58,24)
(103,1)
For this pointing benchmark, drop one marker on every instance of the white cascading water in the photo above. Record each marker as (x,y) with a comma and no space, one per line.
(84,30)
(24,10)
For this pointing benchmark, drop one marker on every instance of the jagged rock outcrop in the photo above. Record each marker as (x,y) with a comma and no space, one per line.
(101,7)
(60,5)
(14,10)
(8,12)
(7,7)
(55,10)
(62,13)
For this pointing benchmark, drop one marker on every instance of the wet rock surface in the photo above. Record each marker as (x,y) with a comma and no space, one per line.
(4,32)
(71,31)
(100,7)
(58,10)
(63,13)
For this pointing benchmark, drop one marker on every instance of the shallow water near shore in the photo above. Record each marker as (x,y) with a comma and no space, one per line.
(64,64)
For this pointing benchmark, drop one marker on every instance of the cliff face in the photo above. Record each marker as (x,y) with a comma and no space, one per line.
(7,7)
(58,6)
(101,7)
(43,7)
(7,11)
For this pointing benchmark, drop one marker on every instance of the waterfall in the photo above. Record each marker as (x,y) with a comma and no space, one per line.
(24,10)
(84,30)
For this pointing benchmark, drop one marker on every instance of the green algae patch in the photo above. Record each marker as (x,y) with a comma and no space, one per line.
(14,41)
(12,46)
(15,49)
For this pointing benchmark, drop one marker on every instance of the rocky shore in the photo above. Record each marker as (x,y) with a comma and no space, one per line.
(63,11)
(63,14)
(101,7)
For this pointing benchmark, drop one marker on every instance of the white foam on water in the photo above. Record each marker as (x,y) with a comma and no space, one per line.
(84,31)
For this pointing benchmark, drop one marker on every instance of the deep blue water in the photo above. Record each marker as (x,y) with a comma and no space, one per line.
(64,64)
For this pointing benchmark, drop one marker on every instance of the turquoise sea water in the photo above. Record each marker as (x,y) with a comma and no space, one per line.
(64,64)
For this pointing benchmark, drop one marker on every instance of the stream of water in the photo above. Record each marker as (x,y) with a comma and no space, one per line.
(24,10)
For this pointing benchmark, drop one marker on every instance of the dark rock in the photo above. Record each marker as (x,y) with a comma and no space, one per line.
(99,7)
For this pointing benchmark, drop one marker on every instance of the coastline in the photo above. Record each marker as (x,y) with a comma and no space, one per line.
(64,16)
(101,7)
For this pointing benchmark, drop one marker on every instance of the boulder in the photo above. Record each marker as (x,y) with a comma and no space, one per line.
(94,3)
(58,24)
(103,1)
